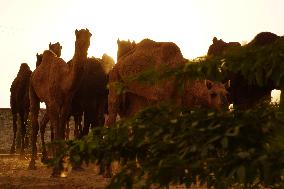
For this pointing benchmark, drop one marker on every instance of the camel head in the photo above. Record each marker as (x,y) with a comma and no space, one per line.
(38,59)
(108,62)
(124,47)
(56,48)
(215,40)
(218,94)
(83,38)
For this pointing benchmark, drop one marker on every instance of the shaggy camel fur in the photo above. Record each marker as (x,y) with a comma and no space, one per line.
(20,103)
(242,94)
(55,82)
(146,55)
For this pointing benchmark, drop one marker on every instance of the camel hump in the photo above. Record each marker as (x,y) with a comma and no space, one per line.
(24,66)
(171,51)
(233,44)
(24,71)
(147,42)
(48,55)
(264,38)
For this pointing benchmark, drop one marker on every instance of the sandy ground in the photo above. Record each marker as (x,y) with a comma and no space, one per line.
(15,175)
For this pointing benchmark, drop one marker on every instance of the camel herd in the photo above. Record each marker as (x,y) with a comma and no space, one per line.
(84,87)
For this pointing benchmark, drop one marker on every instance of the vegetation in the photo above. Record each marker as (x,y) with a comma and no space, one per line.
(165,144)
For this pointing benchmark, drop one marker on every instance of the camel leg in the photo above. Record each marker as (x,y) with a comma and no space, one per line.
(26,140)
(54,120)
(64,119)
(43,124)
(78,125)
(23,134)
(13,148)
(114,99)
(97,120)
(87,123)
(34,107)
(67,131)
(76,128)
(114,102)
(60,133)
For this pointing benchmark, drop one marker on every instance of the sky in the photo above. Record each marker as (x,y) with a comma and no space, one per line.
(28,26)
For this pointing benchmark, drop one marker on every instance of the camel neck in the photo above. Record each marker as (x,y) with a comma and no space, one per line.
(80,56)
(77,67)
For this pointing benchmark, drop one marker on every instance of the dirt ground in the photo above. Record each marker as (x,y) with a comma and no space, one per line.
(15,175)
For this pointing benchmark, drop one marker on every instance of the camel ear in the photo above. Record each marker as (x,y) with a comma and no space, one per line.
(76,32)
(36,54)
(227,84)
(49,44)
(208,84)
(118,41)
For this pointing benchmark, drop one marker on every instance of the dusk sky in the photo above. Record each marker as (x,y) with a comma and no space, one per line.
(28,26)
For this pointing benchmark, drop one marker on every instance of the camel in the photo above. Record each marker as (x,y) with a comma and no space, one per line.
(91,97)
(20,103)
(19,100)
(136,58)
(56,48)
(55,83)
(219,46)
(242,94)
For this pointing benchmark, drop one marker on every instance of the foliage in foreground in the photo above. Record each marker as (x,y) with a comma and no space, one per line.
(164,145)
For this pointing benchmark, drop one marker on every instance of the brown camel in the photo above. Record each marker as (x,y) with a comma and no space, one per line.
(20,103)
(91,97)
(55,83)
(219,46)
(149,54)
(134,59)
(242,94)
(56,48)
